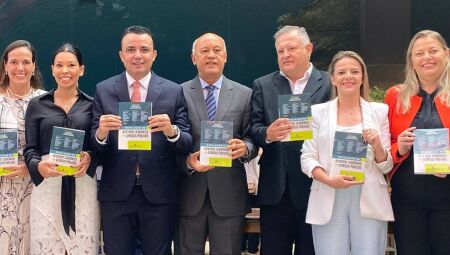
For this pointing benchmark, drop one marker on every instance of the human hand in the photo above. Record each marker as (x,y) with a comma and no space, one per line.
(85,162)
(342,181)
(18,171)
(48,169)
(106,123)
(161,122)
(251,188)
(279,129)
(405,140)
(237,148)
(193,161)
(371,137)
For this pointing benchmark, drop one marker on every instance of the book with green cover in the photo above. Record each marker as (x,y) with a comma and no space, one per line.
(297,108)
(65,149)
(431,151)
(8,150)
(135,133)
(213,143)
(350,154)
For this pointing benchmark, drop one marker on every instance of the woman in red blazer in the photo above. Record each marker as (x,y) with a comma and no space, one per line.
(421,203)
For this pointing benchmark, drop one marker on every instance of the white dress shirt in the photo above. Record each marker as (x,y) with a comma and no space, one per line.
(299,85)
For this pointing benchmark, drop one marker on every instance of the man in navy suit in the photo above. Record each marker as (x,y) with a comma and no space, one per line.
(283,190)
(139,193)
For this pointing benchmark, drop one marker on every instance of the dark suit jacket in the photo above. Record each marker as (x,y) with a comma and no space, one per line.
(159,176)
(280,161)
(227,187)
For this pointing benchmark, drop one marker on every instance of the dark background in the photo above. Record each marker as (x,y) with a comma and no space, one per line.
(246,25)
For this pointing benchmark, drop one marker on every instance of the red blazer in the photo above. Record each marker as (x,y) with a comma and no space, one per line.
(399,122)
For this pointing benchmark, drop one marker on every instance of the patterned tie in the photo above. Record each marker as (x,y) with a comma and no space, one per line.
(210,102)
(136,96)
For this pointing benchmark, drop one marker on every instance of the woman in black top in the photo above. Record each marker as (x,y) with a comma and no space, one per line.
(421,202)
(64,209)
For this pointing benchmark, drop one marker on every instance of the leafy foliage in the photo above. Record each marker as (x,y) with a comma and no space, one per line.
(332,25)
(377,94)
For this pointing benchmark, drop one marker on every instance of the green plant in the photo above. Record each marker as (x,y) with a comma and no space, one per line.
(377,94)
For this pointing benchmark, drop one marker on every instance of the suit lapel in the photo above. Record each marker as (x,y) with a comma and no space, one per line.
(283,85)
(121,88)
(368,115)
(197,97)
(332,122)
(313,85)
(225,96)
(154,89)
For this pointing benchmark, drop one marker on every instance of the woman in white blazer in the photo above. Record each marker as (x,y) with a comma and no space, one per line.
(348,216)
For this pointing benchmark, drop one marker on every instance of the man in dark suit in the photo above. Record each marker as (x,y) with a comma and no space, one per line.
(139,192)
(214,200)
(283,188)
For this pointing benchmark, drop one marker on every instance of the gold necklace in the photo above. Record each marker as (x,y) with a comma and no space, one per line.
(11,94)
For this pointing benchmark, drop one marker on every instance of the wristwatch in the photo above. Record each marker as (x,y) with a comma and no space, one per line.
(176,130)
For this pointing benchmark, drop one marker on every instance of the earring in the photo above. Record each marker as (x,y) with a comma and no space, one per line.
(6,73)
(32,74)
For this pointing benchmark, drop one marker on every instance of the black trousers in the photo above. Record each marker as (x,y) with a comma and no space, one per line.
(250,241)
(421,206)
(282,226)
(125,222)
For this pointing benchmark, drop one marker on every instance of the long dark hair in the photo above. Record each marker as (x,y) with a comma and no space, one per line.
(36,79)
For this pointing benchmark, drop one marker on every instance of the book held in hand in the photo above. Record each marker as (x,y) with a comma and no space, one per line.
(431,151)
(297,108)
(65,149)
(135,133)
(213,143)
(8,150)
(350,154)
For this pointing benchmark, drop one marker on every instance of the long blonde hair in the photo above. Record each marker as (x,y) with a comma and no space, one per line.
(411,85)
(364,89)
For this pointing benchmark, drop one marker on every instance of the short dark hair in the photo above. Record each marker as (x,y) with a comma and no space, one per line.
(69,47)
(36,79)
(137,30)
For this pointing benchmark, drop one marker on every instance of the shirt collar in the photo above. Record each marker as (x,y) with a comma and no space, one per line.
(423,93)
(217,84)
(81,94)
(145,81)
(305,76)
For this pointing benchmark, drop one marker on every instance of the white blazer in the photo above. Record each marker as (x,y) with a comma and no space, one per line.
(375,201)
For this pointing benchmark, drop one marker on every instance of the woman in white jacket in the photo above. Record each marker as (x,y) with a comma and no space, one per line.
(348,216)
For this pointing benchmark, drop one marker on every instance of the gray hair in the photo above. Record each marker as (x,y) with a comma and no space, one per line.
(196,40)
(301,32)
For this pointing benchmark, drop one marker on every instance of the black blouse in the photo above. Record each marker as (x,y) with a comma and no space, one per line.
(427,116)
(42,114)
(405,183)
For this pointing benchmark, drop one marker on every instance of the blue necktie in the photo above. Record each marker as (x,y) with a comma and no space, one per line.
(210,102)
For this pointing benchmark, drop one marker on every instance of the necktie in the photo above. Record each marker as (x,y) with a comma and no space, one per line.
(136,96)
(210,102)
